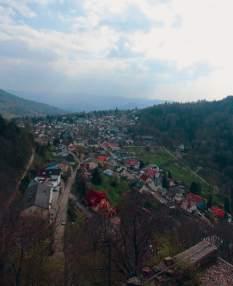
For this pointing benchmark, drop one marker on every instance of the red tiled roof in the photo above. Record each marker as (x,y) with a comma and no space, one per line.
(194,198)
(132,162)
(113,145)
(150,172)
(144,177)
(102,158)
(105,144)
(94,198)
(218,212)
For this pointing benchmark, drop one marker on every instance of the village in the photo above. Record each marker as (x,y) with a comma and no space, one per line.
(94,161)
(101,145)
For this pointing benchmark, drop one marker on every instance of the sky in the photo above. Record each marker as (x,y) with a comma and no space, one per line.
(61,50)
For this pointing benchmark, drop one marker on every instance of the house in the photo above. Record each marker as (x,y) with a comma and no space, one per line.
(217,212)
(99,202)
(191,202)
(64,166)
(71,147)
(151,172)
(94,198)
(92,165)
(144,178)
(102,160)
(51,175)
(114,146)
(132,164)
(104,145)
(89,165)
(108,172)
(178,198)
(37,200)
(181,148)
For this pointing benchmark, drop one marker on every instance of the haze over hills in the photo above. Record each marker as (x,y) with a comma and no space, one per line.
(14,106)
(76,102)
(109,103)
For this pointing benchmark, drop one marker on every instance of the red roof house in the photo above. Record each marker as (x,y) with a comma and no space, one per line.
(144,177)
(98,201)
(191,201)
(132,163)
(102,159)
(94,198)
(105,145)
(193,198)
(150,172)
(217,212)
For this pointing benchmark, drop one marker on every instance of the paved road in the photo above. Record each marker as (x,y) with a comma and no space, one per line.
(61,216)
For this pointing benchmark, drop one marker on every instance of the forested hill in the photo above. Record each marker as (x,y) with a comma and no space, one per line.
(14,106)
(15,151)
(205,128)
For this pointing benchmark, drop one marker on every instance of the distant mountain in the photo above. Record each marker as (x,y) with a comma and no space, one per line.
(76,102)
(14,106)
(87,103)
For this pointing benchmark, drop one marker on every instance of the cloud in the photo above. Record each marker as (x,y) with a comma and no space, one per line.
(174,49)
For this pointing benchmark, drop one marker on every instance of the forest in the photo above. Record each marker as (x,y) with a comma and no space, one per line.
(16,147)
(205,130)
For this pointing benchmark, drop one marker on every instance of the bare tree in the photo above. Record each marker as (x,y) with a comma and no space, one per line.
(24,250)
(131,243)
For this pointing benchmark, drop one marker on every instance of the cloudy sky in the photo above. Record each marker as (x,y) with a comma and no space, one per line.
(166,49)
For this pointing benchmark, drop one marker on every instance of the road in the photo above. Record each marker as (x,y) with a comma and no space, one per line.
(61,216)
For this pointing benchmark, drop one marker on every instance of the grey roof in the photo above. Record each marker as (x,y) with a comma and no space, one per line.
(38,195)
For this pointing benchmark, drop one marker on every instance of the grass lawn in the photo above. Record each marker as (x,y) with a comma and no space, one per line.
(113,190)
(165,160)
(159,157)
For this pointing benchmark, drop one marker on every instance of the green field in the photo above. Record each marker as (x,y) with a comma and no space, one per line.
(165,160)
(113,188)
(159,157)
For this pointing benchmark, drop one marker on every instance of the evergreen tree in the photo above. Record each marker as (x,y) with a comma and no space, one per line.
(96,177)
(195,188)
(165,182)
(209,202)
(227,205)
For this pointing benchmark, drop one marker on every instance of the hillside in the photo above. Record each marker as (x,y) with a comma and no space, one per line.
(14,106)
(15,151)
(205,129)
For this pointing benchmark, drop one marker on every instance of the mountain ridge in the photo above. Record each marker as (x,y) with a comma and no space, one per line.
(14,106)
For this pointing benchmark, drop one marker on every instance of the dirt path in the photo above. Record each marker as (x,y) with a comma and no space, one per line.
(28,166)
(194,173)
